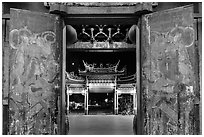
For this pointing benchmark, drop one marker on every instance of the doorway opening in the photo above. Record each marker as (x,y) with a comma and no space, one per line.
(101,65)
(76,104)
(92,54)
(101,93)
(101,103)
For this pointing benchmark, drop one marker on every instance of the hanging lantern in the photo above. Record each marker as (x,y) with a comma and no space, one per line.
(132,33)
(71,35)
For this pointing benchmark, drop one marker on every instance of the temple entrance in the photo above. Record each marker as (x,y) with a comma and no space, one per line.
(102,54)
(101,66)
(101,103)
(99,81)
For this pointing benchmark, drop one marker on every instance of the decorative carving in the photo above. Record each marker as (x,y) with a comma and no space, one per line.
(98,4)
(70,77)
(101,69)
(127,79)
(102,33)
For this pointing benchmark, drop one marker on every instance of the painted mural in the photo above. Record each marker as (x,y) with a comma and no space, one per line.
(168,80)
(34,72)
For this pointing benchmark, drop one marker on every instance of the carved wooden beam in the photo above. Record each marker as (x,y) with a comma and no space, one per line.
(95,7)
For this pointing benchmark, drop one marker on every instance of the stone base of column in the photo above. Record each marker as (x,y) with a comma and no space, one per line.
(86,112)
(68,112)
(116,111)
(135,111)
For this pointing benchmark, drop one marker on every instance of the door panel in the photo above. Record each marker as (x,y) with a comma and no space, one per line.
(35,76)
(169,71)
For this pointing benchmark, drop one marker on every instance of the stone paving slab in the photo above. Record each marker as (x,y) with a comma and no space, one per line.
(101,125)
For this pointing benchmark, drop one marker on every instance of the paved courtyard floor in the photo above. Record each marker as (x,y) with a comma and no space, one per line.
(101,124)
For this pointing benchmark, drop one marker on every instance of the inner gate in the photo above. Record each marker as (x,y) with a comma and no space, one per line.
(101,69)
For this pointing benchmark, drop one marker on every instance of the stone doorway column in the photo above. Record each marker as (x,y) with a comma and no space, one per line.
(86,102)
(68,90)
(135,102)
(115,102)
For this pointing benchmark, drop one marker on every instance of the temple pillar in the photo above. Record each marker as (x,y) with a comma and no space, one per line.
(135,102)
(115,102)
(86,102)
(67,100)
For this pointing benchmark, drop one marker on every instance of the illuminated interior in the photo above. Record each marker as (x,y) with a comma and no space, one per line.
(101,71)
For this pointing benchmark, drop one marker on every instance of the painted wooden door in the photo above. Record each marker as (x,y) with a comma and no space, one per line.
(35,72)
(170,93)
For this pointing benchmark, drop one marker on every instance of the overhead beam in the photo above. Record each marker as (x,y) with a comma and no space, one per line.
(102,20)
(105,9)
